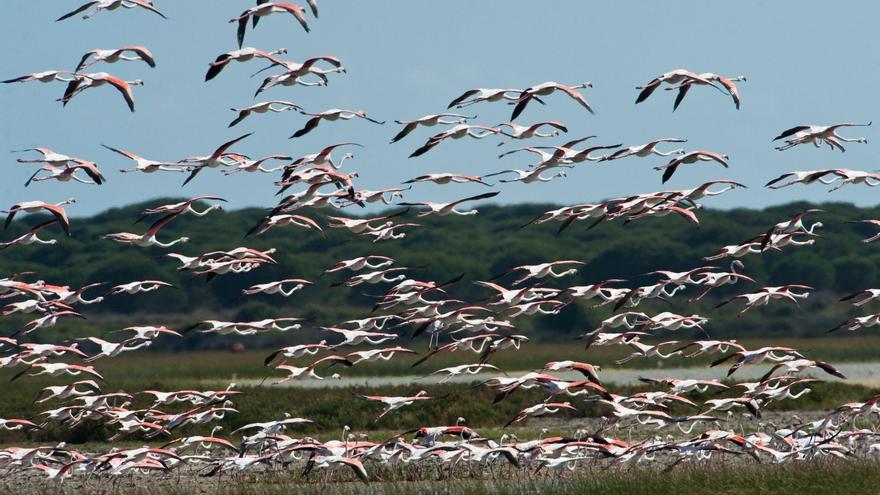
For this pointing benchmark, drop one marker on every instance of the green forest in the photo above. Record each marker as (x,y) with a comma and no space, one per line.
(477,247)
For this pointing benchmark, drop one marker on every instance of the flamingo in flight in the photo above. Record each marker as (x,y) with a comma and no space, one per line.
(429,121)
(647,149)
(446,178)
(530,131)
(673,78)
(457,132)
(215,159)
(276,106)
(145,165)
(82,82)
(55,209)
(477,95)
(183,207)
(817,134)
(98,6)
(31,236)
(689,158)
(729,85)
(331,115)
(241,55)
(546,89)
(110,56)
(264,9)
(43,77)
(148,238)
(443,209)
(69,173)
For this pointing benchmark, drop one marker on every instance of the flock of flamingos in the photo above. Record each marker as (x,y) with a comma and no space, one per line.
(423,308)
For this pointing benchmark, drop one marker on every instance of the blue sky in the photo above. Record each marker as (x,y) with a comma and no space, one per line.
(805,63)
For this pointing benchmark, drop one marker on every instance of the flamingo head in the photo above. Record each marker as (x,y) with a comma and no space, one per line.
(136,82)
(336,376)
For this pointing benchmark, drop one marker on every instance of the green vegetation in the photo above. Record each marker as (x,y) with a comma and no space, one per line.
(493,241)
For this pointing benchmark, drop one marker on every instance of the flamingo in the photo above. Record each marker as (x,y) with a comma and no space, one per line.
(673,78)
(429,121)
(43,77)
(443,209)
(241,55)
(383,354)
(140,53)
(647,149)
(528,176)
(546,89)
(62,392)
(875,223)
(469,369)
(148,238)
(795,225)
(792,366)
(295,352)
(729,85)
(183,207)
(144,165)
(446,178)
(297,373)
(817,134)
(361,262)
(96,6)
(82,82)
(55,209)
(267,8)
(57,369)
(331,115)
(478,95)
(276,106)
(540,409)
(277,287)
(69,173)
(252,166)
(395,403)
(542,270)
(862,297)
(31,236)
(457,132)
(113,349)
(325,462)
(801,177)
(689,158)
(213,160)
(530,131)
(283,221)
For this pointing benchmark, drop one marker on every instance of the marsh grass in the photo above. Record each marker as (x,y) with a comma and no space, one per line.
(717,478)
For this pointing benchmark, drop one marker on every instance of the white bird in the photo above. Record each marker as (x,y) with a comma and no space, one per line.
(443,209)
